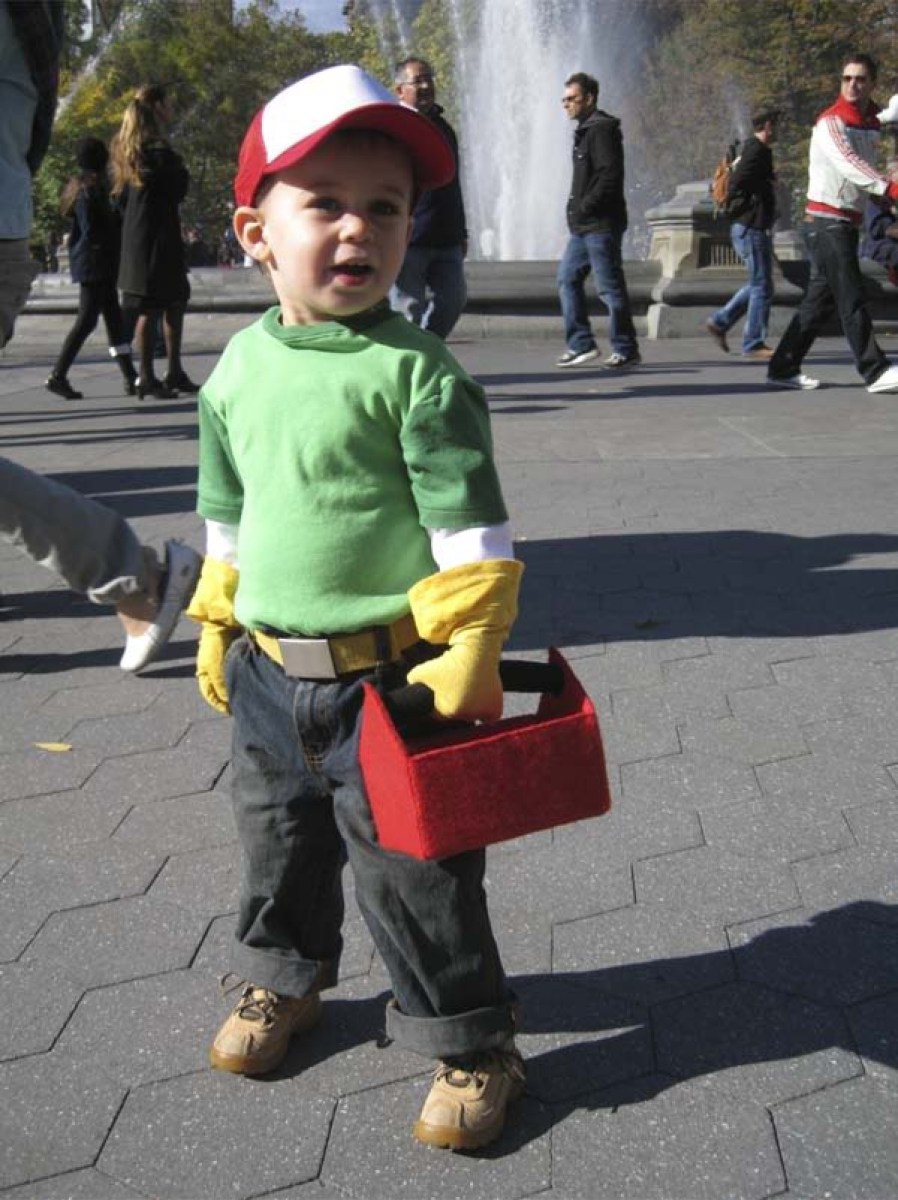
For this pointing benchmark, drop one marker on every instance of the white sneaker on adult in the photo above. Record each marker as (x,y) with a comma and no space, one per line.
(181,571)
(800,383)
(886,382)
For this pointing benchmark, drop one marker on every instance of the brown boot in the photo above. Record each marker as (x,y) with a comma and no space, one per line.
(255,1037)
(466,1105)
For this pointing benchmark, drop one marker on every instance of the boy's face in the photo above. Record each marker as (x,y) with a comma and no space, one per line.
(333,228)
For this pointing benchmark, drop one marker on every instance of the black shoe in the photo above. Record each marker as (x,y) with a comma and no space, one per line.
(60,386)
(181,382)
(155,388)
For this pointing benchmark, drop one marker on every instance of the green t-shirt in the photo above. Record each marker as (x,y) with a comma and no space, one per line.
(334,447)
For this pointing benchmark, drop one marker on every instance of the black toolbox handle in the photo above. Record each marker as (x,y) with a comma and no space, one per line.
(414,702)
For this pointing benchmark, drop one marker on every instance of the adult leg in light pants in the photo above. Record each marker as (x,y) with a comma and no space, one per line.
(96,551)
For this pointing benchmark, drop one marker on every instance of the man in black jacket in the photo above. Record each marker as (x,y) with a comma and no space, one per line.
(751,205)
(430,289)
(597,221)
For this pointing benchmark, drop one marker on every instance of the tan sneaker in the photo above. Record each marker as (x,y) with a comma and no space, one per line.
(255,1037)
(466,1107)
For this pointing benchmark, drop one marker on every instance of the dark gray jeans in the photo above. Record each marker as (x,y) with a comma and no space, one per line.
(301,813)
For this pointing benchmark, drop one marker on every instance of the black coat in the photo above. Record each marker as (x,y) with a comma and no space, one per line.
(153,264)
(596,203)
(440,215)
(751,196)
(95,236)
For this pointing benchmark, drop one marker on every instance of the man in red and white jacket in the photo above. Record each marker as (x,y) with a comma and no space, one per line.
(842,175)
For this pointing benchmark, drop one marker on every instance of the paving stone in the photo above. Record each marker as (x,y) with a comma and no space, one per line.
(835,879)
(721,672)
(91,874)
(60,821)
(645,953)
(35,772)
(128,695)
(160,774)
(118,940)
(697,781)
(874,825)
(568,884)
(874,1025)
(53,1118)
(74,1185)
(206,883)
(631,830)
(651,1141)
(863,738)
(158,728)
(754,1043)
(371,1152)
(180,825)
(575,1040)
(781,828)
(189,1137)
(829,776)
(145,1030)
(626,741)
(25,726)
(839,1142)
(744,741)
(348,1052)
(834,957)
(666,702)
(36,1003)
(711,881)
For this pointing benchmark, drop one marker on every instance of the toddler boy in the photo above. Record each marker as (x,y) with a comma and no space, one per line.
(353,509)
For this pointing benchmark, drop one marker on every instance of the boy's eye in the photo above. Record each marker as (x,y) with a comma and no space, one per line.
(328,203)
(385,208)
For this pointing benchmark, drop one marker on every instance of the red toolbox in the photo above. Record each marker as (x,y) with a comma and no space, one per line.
(458,789)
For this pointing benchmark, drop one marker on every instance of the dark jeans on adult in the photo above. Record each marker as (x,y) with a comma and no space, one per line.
(431,290)
(94,299)
(601,254)
(835,284)
(755,249)
(301,813)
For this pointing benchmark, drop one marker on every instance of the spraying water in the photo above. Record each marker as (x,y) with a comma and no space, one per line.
(512,58)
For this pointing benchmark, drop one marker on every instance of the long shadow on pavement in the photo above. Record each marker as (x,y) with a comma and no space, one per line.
(616,587)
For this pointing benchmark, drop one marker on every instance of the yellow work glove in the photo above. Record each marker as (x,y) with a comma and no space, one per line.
(469,608)
(213,606)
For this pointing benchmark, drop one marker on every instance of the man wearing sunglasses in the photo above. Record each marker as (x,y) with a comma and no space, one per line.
(842,175)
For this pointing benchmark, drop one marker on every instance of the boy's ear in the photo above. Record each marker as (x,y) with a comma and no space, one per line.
(249,225)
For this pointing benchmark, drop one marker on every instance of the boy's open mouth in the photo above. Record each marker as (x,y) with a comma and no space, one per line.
(357,270)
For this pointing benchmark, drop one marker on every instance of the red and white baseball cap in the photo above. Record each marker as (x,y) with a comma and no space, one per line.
(300,117)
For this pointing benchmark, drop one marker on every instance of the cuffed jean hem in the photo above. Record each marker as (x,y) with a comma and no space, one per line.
(287,977)
(452,1037)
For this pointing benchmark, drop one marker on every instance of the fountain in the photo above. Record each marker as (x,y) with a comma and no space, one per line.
(512,58)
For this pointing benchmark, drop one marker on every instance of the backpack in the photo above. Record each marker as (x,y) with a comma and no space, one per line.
(720,183)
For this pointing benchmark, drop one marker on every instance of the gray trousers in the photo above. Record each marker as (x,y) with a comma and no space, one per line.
(17,270)
(92,547)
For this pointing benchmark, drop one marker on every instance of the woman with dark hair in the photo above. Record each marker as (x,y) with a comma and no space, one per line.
(151,180)
(93,257)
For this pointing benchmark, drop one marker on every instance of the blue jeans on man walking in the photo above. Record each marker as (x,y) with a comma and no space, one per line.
(755,248)
(601,254)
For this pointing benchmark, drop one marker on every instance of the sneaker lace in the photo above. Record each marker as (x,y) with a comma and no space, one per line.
(462,1075)
(256,1004)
